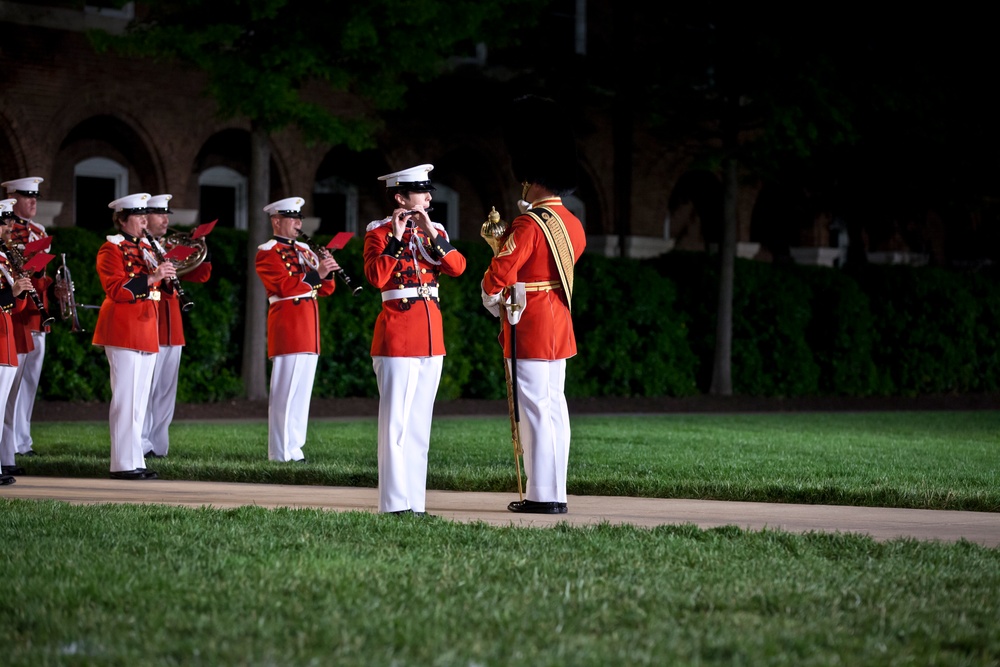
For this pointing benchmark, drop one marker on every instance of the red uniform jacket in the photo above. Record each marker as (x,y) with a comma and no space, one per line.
(292,282)
(22,233)
(9,304)
(545,330)
(409,326)
(171,327)
(128,316)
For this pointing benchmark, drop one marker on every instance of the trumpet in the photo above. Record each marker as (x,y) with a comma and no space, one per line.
(186,303)
(320,252)
(67,298)
(16,259)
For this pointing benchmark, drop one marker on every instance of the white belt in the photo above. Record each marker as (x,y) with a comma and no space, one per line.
(275,299)
(423,291)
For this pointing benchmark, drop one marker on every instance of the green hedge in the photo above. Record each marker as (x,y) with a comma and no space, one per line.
(644,328)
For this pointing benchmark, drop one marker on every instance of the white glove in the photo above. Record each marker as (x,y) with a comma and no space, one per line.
(523,205)
(492,302)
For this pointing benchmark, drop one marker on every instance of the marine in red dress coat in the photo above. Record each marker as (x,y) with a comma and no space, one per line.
(171,326)
(13,299)
(289,271)
(128,316)
(22,233)
(13,293)
(409,326)
(293,276)
(405,254)
(127,329)
(545,330)
(540,251)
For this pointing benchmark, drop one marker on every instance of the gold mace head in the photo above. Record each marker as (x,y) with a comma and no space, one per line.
(493,229)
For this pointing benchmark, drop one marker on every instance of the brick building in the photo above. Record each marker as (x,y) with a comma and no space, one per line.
(97,126)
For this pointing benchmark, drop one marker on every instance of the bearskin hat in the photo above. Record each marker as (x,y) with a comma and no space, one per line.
(541,145)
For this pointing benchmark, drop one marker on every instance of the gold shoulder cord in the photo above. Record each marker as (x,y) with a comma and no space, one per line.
(560,245)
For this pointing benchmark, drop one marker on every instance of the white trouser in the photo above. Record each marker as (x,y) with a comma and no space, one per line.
(7,374)
(407,387)
(292,378)
(544,428)
(21,400)
(131,375)
(162,400)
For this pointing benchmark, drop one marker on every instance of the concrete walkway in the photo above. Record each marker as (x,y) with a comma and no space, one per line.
(879,523)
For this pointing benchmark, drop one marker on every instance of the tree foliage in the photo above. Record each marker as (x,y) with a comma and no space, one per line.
(277,61)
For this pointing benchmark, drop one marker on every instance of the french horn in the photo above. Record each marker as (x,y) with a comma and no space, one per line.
(177,238)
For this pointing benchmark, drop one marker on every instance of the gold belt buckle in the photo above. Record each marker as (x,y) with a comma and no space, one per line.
(423,291)
(154,295)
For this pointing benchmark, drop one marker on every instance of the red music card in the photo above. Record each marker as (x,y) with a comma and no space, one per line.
(38,262)
(203,229)
(339,240)
(38,245)
(179,252)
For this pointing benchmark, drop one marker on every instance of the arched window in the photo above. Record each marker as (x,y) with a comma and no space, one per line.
(335,203)
(97,182)
(222,194)
(576,207)
(445,204)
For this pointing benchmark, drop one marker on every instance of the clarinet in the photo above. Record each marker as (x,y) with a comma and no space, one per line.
(320,251)
(186,303)
(16,260)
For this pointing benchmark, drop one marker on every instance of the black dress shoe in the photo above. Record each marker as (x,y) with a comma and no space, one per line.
(6,479)
(534,507)
(153,455)
(30,452)
(13,470)
(134,474)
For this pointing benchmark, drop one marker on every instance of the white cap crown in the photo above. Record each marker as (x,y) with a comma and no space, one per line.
(134,203)
(159,203)
(7,207)
(26,186)
(415,178)
(290,207)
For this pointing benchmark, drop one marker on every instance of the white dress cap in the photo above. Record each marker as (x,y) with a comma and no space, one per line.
(7,207)
(415,179)
(290,207)
(26,186)
(159,204)
(135,203)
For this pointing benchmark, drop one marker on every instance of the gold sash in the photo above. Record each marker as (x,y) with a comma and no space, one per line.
(560,245)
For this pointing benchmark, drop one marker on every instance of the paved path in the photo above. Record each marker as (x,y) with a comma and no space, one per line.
(879,523)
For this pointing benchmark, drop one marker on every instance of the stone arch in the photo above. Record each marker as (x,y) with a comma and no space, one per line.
(229,150)
(12,159)
(108,136)
(695,207)
(346,193)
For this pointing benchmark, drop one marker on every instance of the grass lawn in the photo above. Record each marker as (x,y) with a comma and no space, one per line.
(151,585)
(931,460)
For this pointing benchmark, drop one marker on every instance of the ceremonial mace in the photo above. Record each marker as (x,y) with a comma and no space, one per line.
(492,230)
